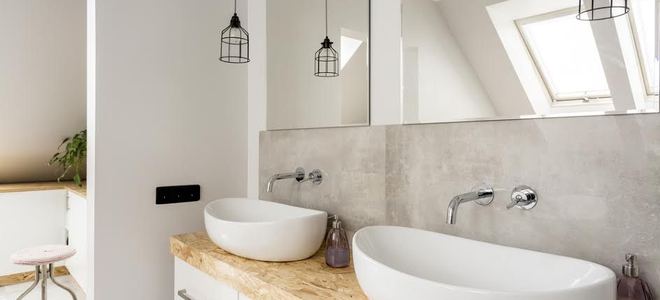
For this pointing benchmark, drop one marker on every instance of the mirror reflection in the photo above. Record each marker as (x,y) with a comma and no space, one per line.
(494,59)
(312,83)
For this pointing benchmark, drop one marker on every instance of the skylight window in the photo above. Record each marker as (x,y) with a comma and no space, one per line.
(565,53)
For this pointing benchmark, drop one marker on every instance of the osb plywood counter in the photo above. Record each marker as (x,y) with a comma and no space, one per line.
(43,186)
(306,279)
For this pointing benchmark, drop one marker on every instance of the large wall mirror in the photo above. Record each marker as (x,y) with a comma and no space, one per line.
(493,59)
(297,97)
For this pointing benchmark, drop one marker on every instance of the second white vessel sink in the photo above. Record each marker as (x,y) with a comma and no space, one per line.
(405,263)
(264,230)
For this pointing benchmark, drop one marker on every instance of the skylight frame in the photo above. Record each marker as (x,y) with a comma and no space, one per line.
(565,99)
(641,59)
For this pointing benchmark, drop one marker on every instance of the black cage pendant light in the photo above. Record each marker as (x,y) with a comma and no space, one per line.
(594,10)
(326,59)
(234,42)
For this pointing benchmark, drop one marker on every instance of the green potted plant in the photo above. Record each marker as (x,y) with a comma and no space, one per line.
(71,156)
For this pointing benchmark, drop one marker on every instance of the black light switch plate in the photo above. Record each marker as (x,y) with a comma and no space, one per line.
(177,194)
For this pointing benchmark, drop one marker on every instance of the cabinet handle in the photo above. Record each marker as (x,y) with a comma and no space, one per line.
(184,295)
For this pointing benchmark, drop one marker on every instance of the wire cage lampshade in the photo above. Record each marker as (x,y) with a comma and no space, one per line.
(595,10)
(234,42)
(326,60)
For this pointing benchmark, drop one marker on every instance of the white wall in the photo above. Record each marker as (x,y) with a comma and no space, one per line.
(385,55)
(474,31)
(297,98)
(462,18)
(354,76)
(447,85)
(165,112)
(91,143)
(386,105)
(42,83)
(257,90)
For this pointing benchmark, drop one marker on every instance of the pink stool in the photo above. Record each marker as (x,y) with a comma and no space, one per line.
(42,258)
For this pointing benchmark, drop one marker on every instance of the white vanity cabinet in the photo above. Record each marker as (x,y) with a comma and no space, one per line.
(200,286)
(76,225)
(29,219)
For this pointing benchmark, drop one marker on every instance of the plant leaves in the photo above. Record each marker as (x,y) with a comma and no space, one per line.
(72,155)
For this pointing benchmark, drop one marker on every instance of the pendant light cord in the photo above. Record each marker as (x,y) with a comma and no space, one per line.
(326,17)
(234,6)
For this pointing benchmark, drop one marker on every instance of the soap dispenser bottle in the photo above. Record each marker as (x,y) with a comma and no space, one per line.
(630,286)
(337,251)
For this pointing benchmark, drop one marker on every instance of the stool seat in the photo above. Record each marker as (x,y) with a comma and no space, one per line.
(42,255)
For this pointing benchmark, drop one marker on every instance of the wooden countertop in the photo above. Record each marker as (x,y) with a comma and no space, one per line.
(44,186)
(306,279)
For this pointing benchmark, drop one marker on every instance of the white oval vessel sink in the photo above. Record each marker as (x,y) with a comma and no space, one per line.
(405,263)
(264,230)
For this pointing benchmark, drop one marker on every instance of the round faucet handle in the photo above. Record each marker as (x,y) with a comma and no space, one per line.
(523,197)
(315,176)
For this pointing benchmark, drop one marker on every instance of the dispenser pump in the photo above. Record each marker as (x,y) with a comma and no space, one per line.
(630,269)
(630,286)
(336,223)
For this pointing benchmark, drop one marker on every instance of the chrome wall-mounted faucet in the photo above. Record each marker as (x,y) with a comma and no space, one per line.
(482,195)
(316,177)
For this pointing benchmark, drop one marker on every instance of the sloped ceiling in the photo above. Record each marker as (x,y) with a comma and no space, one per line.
(42,84)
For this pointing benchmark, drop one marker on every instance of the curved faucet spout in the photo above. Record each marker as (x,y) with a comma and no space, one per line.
(299,175)
(483,196)
(452,210)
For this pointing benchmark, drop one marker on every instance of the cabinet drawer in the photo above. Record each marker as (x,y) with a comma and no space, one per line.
(198,285)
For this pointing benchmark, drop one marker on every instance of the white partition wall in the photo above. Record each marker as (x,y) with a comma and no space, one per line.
(163,111)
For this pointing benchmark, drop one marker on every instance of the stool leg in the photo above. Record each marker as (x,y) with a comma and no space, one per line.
(44,282)
(52,278)
(37,277)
